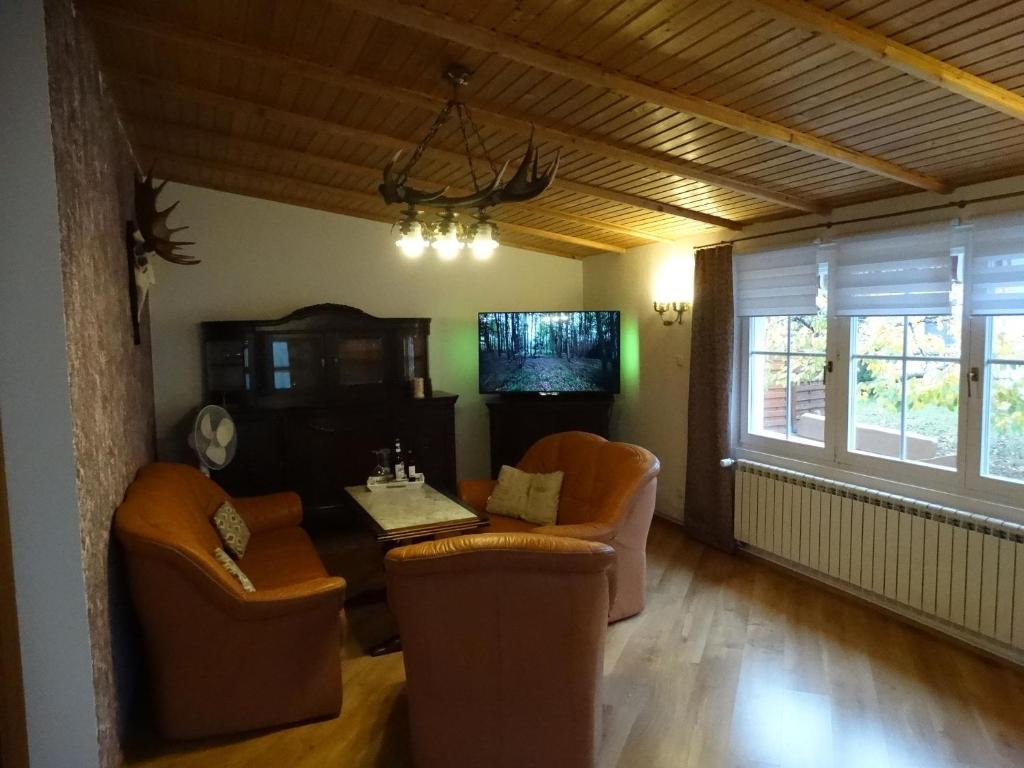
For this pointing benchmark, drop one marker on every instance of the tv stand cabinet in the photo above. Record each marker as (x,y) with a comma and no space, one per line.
(518,422)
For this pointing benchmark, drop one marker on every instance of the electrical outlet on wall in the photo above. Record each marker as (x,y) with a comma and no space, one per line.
(679,493)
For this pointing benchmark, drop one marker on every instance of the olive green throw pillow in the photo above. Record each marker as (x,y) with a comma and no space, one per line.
(529,496)
(511,494)
(232,529)
(545,491)
(231,567)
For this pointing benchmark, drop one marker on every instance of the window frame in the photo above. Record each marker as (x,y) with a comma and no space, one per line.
(803,449)
(1004,488)
(912,472)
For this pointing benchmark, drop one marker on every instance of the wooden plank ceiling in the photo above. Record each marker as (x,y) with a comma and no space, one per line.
(672,115)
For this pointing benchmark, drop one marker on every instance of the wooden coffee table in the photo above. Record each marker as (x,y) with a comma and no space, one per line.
(401,516)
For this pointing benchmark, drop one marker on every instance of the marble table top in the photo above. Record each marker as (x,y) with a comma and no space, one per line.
(415,511)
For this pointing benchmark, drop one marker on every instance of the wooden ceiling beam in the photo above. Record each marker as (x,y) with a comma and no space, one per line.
(656,161)
(177,175)
(590,221)
(494,115)
(359,197)
(572,239)
(580,70)
(375,138)
(626,198)
(885,50)
(263,149)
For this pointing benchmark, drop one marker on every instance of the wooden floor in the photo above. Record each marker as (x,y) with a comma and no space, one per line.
(732,663)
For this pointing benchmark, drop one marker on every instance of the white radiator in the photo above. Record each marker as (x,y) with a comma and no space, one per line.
(952,569)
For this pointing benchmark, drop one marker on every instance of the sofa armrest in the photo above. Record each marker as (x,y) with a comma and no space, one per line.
(596,532)
(476,492)
(328,592)
(586,531)
(154,565)
(266,513)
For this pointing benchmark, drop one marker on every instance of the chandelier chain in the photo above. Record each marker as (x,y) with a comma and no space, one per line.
(461,110)
(466,117)
(439,121)
(480,139)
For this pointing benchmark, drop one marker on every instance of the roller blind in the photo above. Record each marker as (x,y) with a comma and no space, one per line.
(997,266)
(777,282)
(894,273)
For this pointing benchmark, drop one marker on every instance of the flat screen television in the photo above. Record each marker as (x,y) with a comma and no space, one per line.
(549,352)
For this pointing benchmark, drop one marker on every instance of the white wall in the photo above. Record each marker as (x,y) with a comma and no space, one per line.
(263,259)
(651,410)
(34,398)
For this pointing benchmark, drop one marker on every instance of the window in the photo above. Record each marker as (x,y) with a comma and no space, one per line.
(780,292)
(924,329)
(1003,418)
(787,370)
(905,387)
(997,298)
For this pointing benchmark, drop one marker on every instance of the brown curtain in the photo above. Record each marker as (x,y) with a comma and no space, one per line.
(707,515)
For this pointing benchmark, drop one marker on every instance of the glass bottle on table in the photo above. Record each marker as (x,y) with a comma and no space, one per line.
(410,465)
(399,461)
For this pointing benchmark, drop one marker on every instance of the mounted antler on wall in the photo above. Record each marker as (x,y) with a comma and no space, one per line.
(147,234)
(152,224)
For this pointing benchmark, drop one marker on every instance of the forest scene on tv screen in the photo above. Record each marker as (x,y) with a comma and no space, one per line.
(549,352)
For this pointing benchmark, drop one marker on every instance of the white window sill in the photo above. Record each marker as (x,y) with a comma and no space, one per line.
(775,437)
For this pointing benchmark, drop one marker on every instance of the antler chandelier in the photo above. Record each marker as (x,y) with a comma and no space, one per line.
(444,232)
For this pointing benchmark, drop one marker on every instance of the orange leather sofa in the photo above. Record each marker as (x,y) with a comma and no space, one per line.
(503,640)
(223,660)
(607,496)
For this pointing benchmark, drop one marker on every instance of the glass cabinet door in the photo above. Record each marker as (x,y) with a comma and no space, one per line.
(357,360)
(227,366)
(295,362)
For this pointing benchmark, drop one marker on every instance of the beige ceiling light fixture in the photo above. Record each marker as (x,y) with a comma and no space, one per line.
(444,233)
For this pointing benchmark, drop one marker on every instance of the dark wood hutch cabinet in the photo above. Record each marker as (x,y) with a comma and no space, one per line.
(313,393)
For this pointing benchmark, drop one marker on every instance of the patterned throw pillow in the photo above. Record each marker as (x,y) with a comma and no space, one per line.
(232,529)
(545,492)
(512,493)
(530,497)
(231,567)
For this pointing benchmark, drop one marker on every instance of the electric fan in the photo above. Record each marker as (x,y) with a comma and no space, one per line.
(213,438)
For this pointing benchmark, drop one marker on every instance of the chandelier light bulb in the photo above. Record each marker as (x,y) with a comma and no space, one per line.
(447,243)
(411,243)
(483,244)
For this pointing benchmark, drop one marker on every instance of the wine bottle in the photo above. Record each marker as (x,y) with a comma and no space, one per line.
(410,465)
(399,462)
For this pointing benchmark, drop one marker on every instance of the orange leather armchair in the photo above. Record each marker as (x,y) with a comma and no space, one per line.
(503,639)
(607,496)
(223,660)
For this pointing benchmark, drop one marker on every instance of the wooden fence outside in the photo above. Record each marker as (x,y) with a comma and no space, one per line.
(806,398)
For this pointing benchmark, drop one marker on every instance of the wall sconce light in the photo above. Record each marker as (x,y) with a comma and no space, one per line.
(672,288)
(679,307)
